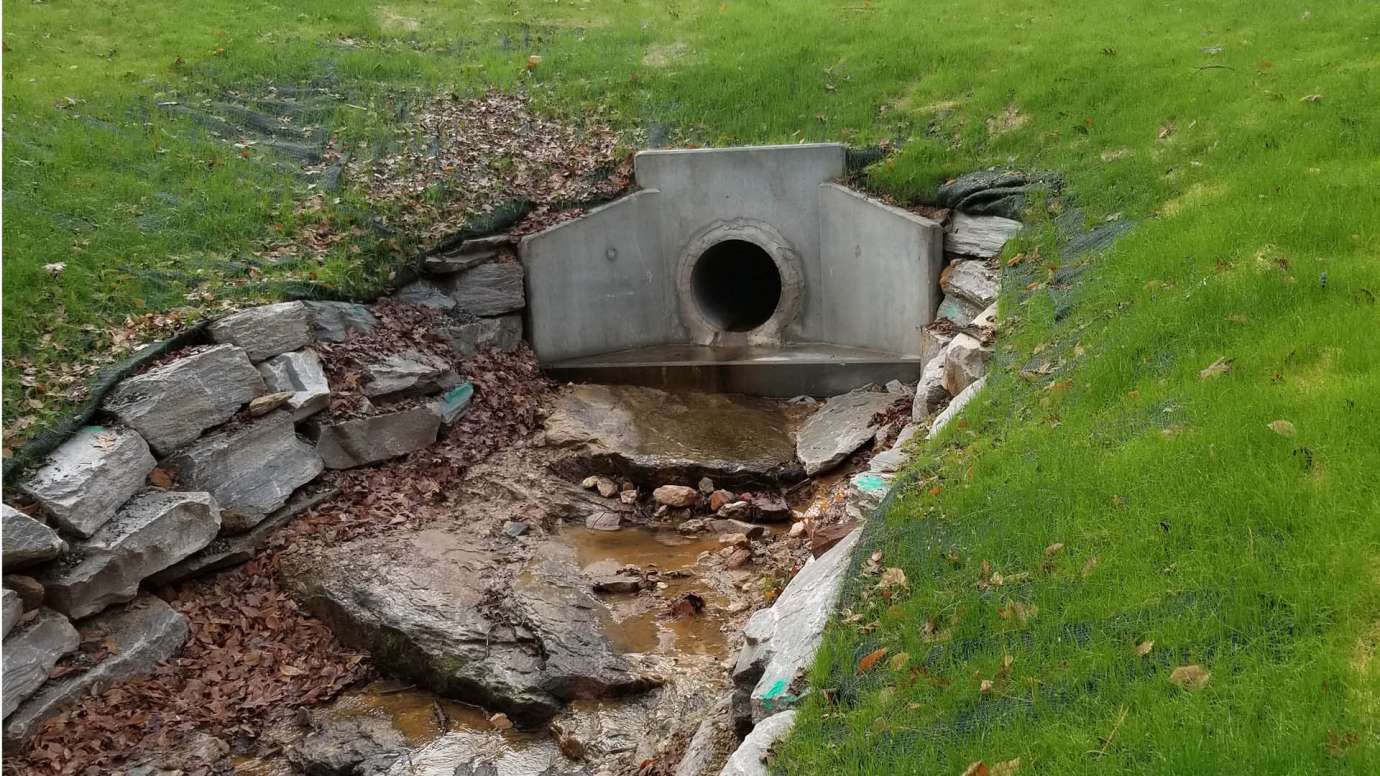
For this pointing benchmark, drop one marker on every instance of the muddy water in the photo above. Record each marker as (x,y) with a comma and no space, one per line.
(641,622)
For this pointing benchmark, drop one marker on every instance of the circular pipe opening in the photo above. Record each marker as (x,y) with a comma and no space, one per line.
(736,285)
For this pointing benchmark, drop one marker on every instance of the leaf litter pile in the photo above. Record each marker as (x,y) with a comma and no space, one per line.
(253,655)
(458,160)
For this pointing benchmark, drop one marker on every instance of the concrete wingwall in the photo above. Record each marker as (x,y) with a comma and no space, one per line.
(880,275)
(599,284)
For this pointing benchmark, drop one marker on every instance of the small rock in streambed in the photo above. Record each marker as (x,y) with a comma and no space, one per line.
(706,486)
(736,539)
(738,558)
(628,497)
(718,498)
(727,526)
(797,530)
(604,521)
(513,529)
(736,510)
(605,486)
(618,583)
(692,526)
(678,496)
(771,509)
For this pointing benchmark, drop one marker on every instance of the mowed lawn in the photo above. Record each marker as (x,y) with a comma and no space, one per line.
(1176,464)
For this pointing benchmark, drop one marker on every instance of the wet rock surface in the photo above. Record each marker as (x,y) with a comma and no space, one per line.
(151,532)
(138,637)
(433,606)
(660,437)
(170,405)
(251,470)
(838,428)
(27,541)
(88,477)
(347,746)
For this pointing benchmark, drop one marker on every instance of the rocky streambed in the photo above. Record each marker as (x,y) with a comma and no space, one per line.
(581,610)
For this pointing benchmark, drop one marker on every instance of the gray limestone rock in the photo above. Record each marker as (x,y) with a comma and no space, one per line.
(750,758)
(470,253)
(30,653)
(153,531)
(490,289)
(301,373)
(88,477)
(139,636)
(958,310)
(351,443)
(265,331)
(981,237)
(965,362)
(333,321)
(431,606)
(658,437)
(503,334)
(973,281)
(933,338)
(251,470)
(956,406)
(12,609)
(781,641)
(172,404)
(27,541)
(226,551)
(409,373)
(930,392)
(427,293)
(838,428)
(356,744)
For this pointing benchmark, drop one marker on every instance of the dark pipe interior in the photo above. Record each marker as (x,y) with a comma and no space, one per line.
(736,285)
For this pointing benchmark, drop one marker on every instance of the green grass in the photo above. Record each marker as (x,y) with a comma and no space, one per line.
(1228,545)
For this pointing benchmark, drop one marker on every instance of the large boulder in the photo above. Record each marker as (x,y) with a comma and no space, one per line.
(333,321)
(432,606)
(172,404)
(782,639)
(409,373)
(660,437)
(139,637)
(503,334)
(30,653)
(153,531)
(965,362)
(972,281)
(301,373)
(265,331)
(981,237)
(350,443)
(837,429)
(27,541)
(251,470)
(490,289)
(89,476)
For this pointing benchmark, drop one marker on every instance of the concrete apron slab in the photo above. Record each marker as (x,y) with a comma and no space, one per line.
(741,269)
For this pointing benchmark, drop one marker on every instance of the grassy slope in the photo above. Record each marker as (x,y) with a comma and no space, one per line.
(1215,540)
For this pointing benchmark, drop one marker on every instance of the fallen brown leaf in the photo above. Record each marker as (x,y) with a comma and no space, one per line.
(870,659)
(1190,677)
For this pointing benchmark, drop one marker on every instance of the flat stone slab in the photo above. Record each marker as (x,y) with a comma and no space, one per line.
(88,477)
(27,541)
(409,373)
(153,531)
(139,637)
(972,280)
(781,640)
(301,373)
(350,443)
(12,609)
(839,428)
(172,404)
(503,334)
(251,470)
(265,331)
(663,437)
(981,237)
(431,606)
(956,406)
(490,289)
(30,653)
(965,362)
